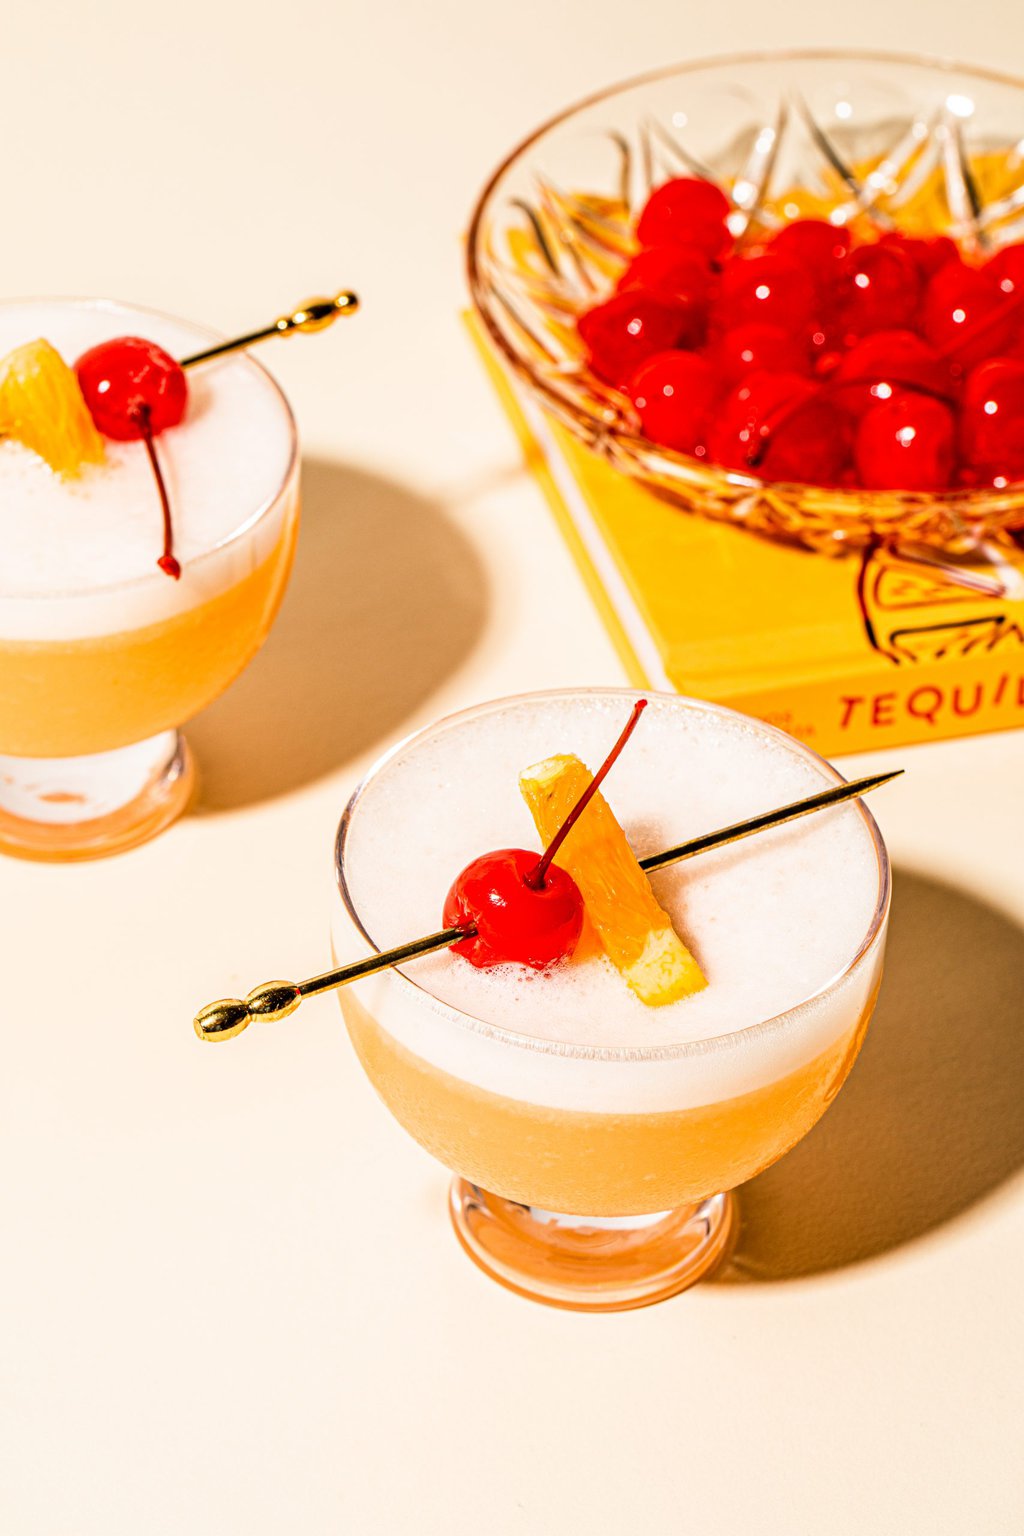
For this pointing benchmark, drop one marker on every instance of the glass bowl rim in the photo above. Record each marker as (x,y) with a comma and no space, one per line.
(961,501)
(265,507)
(731,1040)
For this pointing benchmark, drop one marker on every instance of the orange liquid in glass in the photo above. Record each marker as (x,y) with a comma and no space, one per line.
(63,698)
(597,1164)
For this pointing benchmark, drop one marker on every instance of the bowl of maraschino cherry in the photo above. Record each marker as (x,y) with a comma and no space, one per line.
(788,291)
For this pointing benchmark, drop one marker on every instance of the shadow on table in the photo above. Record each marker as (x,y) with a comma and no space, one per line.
(932,1117)
(386,599)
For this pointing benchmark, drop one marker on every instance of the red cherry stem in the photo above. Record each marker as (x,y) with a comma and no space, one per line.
(167,563)
(536,880)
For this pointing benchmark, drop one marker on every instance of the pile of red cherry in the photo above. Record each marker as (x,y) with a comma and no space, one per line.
(889,364)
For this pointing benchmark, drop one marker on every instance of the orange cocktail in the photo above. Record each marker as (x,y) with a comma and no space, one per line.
(594,1138)
(598,1163)
(57,698)
(102,655)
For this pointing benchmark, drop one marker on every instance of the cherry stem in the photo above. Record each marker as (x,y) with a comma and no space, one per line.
(167,563)
(536,880)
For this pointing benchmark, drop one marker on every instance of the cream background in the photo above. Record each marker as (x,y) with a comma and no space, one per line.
(229,1301)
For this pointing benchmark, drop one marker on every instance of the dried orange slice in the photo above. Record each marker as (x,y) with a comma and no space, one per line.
(42,406)
(635,932)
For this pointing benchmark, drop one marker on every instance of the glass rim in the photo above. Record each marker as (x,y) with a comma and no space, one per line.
(251,522)
(975,499)
(730,1040)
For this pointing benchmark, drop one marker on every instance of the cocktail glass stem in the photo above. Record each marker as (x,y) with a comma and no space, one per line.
(60,808)
(592,1263)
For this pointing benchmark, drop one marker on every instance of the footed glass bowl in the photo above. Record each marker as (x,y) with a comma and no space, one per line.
(920,146)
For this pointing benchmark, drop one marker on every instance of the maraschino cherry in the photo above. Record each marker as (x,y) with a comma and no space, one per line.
(1004,337)
(678,277)
(124,378)
(875,368)
(752,348)
(687,211)
(967,315)
(135,390)
(630,327)
(670,272)
(906,444)
(781,425)
(515,919)
(768,287)
(992,419)
(1007,267)
(673,393)
(929,253)
(521,908)
(880,290)
(816,244)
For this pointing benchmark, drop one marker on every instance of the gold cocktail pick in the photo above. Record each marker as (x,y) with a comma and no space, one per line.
(274,1000)
(311,315)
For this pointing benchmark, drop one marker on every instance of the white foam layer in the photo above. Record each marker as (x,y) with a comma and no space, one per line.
(773,920)
(79,555)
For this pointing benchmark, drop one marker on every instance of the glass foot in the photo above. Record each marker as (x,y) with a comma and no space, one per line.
(591,1263)
(65,808)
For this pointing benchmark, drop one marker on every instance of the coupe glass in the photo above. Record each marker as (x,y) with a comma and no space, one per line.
(568,1187)
(922,146)
(94,683)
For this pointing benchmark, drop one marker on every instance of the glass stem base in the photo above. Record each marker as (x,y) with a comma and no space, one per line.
(65,808)
(591,1263)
